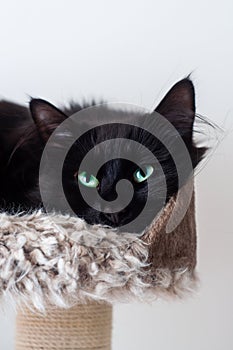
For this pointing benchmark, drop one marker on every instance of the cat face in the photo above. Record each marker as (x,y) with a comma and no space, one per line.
(104,183)
(178,107)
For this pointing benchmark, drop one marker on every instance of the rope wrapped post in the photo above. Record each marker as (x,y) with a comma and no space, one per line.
(85,326)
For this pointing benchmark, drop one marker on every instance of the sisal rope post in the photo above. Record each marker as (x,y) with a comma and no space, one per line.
(84,326)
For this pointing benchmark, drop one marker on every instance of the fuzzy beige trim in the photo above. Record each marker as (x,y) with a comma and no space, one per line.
(60,260)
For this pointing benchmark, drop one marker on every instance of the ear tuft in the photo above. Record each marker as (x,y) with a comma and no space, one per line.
(46,117)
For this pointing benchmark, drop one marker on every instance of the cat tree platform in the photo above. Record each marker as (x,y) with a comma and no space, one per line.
(64,275)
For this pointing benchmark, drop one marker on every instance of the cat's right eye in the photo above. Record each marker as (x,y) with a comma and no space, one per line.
(140,176)
(88,180)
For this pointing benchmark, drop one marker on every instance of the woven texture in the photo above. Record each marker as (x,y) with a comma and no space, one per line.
(81,327)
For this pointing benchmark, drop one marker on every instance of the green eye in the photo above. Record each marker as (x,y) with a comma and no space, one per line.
(88,181)
(140,176)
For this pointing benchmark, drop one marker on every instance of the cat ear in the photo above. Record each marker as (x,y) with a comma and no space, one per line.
(46,117)
(178,107)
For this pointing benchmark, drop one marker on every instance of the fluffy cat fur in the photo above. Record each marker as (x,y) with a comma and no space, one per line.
(24,133)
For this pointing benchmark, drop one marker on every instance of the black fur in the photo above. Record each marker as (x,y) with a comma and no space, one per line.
(23,136)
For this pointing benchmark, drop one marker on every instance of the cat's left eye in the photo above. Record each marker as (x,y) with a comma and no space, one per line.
(142,175)
(88,180)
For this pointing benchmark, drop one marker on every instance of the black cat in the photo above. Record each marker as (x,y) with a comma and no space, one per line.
(24,133)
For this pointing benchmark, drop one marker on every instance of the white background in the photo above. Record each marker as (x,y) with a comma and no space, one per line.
(133,51)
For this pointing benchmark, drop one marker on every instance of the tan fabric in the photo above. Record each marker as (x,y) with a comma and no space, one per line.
(174,250)
(81,327)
